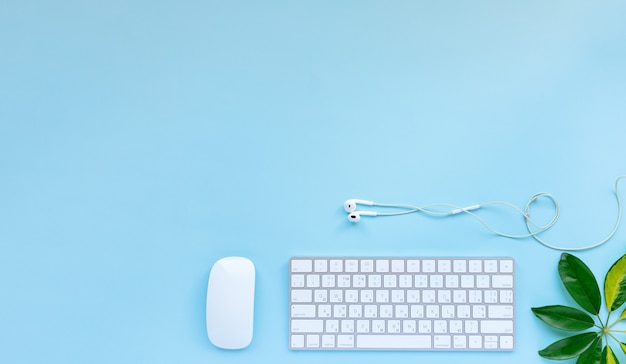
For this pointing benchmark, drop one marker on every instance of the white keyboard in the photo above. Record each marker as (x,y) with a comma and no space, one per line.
(372,303)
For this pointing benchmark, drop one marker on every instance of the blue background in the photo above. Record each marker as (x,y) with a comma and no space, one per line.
(141,141)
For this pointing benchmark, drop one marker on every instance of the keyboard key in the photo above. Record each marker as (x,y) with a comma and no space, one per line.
(502,281)
(491,266)
(382,266)
(442,341)
(301,295)
(482,281)
(397,266)
(312,341)
(425,326)
(463,311)
(367,266)
(393,326)
(307,325)
(345,341)
(367,296)
(467,281)
(336,265)
(312,280)
(324,311)
(459,266)
(359,281)
(429,266)
(475,266)
(328,341)
(459,341)
(421,281)
(436,281)
(297,280)
(379,326)
(352,296)
(506,266)
(408,326)
(471,326)
(496,326)
(444,266)
(500,311)
(352,266)
(459,296)
(397,296)
(343,281)
(336,296)
(405,281)
(328,281)
(363,326)
(303,311)
(491,296)
(413,266)
(475,342)
(506,296)
(413,296)
(374,281)
(297,341)
(506,342)
(301,265)
(456,326)
(390,281)
(321,266)
(347,326)
(417,311)
(490,342)
(452,281)
(332,326)
(370,311)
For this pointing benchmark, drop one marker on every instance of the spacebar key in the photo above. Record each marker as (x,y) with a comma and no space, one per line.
(393,342)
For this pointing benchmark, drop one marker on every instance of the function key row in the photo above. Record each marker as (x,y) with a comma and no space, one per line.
(335,265)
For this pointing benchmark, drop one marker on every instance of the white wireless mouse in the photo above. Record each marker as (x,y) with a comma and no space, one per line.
(230,303)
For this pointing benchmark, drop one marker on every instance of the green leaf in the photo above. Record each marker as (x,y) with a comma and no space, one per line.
(564,318)
(623,346)
(608,356)
(593,354)
(622,316)
(569,347)
(580,283)
(615,284)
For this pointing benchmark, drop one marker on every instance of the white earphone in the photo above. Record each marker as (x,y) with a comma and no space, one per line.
(533,228)
(355,216)
(350,205)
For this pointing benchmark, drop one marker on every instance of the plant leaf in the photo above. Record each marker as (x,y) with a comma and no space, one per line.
(593,354)
(564,318)
(608,356)
(580,283)
(569,347)
(623,346)
(615,284)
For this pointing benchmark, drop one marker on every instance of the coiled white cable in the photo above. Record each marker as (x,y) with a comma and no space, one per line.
(533,228)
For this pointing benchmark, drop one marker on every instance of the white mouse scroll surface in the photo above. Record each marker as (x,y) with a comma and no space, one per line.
(230,303)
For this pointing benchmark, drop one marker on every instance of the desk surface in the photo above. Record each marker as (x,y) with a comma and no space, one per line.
(142,141)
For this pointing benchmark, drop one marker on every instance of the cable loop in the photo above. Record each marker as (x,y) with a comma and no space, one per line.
(534,229)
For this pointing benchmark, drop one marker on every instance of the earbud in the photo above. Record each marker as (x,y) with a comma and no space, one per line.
(356,215)
(350,205)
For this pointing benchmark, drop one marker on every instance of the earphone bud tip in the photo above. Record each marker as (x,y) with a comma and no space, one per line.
(354,217)
(349,206)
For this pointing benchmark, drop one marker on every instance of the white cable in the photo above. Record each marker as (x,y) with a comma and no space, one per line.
(590,246)
(533,228)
